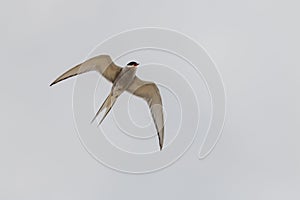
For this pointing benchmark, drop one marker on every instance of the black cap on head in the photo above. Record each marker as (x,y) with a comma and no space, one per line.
(132,63)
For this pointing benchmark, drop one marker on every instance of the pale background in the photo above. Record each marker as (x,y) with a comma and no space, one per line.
(255,45)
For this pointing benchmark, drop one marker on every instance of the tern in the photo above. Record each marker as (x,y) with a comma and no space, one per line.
(122,79)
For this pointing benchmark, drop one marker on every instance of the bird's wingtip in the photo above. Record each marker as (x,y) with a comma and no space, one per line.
(54,82)
(160,147)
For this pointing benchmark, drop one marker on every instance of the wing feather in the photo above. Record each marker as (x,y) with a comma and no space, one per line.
(102,64)
(150,92)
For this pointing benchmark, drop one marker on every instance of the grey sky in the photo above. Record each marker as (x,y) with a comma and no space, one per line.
(255,45)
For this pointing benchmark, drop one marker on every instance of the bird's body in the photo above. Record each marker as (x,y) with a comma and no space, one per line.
(123,79)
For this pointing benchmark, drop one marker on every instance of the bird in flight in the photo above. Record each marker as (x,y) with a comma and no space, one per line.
(123,79)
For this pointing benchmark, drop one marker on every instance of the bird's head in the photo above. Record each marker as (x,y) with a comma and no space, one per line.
(132,64)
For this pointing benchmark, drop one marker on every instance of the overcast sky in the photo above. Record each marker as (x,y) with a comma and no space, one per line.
(255,45)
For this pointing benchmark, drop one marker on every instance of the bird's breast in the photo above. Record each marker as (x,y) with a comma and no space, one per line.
(124,79)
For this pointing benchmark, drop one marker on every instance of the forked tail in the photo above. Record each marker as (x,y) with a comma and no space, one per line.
(108,103)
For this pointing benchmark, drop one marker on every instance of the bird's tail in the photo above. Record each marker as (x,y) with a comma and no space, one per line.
(108,103)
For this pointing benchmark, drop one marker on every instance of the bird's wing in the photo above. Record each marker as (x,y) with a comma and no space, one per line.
(103,64)
(150,92)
